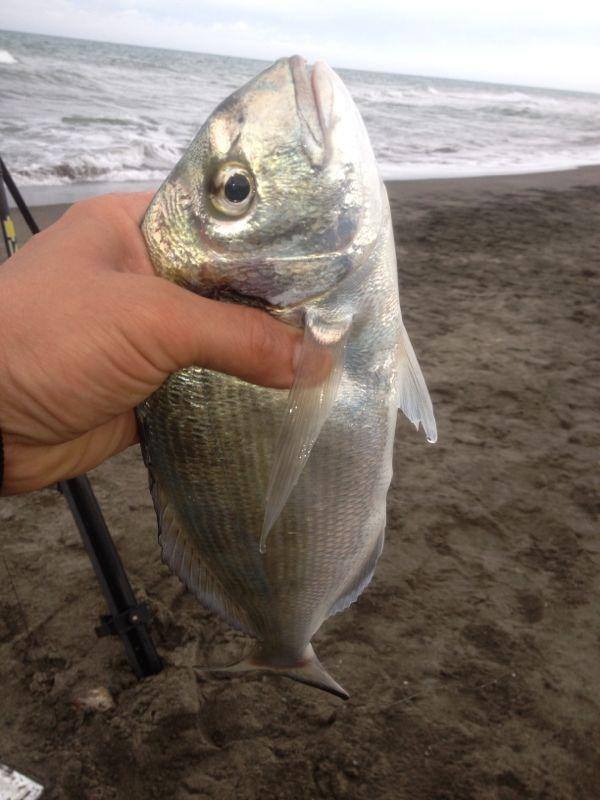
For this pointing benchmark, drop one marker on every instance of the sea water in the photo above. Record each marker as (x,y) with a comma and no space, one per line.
(80,117)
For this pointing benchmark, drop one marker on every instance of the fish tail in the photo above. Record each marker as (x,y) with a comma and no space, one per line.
(306,669)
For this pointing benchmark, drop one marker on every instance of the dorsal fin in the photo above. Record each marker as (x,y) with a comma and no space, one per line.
(180,553)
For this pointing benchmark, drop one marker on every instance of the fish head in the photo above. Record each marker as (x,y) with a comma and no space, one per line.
(277,197)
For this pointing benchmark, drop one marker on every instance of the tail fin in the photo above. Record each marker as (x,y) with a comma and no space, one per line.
(308,669)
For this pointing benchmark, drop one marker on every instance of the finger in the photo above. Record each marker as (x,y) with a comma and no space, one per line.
(186,329)
(113,221)
(132,205)
(135,204)
(29,467)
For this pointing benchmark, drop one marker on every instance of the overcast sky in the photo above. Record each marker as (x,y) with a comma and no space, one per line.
(535,42)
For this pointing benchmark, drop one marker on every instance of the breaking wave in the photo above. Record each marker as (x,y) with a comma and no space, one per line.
(91,112)
(138,162)
(7,58)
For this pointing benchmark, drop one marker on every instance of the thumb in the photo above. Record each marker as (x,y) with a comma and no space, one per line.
(187,329)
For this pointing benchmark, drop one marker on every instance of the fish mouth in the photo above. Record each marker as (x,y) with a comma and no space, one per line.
(313,90)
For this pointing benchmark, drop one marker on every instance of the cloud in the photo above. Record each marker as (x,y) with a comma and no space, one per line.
(533,42)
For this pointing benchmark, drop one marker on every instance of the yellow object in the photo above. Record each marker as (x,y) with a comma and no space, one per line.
(9,228)
(11,234)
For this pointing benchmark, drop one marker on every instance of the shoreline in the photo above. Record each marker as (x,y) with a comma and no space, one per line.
(557,180)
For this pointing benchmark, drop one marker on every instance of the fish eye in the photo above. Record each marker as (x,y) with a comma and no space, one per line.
(237,188)
(232,190)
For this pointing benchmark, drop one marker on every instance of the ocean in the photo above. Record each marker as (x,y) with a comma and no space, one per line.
(81,117)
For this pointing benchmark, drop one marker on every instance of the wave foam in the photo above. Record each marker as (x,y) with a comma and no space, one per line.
(108,126)
(133,159)
(7,58)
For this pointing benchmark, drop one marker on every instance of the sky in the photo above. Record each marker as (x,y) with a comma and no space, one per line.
(532,42)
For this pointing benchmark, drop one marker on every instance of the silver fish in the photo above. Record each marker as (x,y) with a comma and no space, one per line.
(271,506)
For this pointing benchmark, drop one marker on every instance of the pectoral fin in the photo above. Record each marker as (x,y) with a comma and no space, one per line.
(413,397)
(311,399)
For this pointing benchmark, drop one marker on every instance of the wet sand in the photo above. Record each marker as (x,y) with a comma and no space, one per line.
(472,659)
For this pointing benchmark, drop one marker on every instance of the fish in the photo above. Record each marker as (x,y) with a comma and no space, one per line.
(271,504)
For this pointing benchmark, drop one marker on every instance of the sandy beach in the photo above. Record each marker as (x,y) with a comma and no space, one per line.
(473,659)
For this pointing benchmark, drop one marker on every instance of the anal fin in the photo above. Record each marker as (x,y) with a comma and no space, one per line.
(359,582)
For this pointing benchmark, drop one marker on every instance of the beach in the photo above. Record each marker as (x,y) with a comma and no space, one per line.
(473,657)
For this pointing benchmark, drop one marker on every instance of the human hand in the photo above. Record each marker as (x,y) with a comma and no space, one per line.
(87,331)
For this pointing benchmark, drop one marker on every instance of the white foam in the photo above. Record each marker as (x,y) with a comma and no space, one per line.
(111,113)
(7,58)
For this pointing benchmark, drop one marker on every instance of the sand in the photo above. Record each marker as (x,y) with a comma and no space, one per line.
(473,659)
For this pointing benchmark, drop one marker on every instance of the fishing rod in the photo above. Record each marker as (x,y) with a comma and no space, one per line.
(127,618)
(8,227)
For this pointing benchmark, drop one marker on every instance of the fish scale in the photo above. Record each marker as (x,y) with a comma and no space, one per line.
(271,506)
